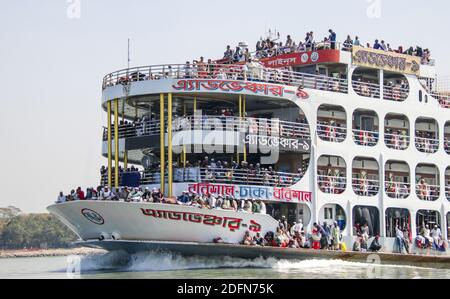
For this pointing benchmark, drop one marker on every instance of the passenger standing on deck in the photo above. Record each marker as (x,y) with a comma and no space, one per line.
(335,235)
(332,39)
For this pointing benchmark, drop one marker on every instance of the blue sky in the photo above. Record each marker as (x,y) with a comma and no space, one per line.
(51,66)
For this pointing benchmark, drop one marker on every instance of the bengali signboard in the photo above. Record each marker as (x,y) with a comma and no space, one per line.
(388,61)
(290,144)
(299,59)
(276,194)
(230,86)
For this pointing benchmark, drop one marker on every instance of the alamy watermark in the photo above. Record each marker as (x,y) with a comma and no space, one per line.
(73,9)
(374,9)
(73,270)
(374,270)
(219,135)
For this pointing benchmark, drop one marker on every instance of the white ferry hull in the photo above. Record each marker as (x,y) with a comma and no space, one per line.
(92,220)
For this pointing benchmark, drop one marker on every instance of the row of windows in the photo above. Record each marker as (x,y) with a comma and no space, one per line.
(332,127)
(365,180)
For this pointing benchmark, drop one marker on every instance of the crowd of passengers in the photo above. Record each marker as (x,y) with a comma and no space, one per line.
(212,171)
(427,192)
(149,124)
(331,131)
(365,138)
(397,139)
(273,47)
(321,237)
(427,142)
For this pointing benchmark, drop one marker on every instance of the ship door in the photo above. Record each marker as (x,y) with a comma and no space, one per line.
(277,211)
(367,123)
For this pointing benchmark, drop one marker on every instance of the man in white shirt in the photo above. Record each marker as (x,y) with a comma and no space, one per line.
(436,234)
(61,198)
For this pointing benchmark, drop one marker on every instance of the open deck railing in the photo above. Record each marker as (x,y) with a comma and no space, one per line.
(331,133)
(397,141)
(260,126)
(427,145)
(366,138)
(332,184)
(428,192)
(395,93)
(222,176)
(399,190)
(246,72)
(365,187)
(366,89)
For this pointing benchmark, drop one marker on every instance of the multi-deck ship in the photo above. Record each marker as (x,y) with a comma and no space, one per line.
(354,137)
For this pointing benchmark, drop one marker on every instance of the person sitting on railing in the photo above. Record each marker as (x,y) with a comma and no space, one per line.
(135,195)
(61,198)
(200,66)
(107,194)
(228,53)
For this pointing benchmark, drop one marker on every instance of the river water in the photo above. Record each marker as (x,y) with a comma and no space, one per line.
(170,266)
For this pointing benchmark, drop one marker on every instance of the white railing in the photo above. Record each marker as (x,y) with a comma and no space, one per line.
(225,176)
(365,138)
(397,141)
(366,89)
(332,133)
(443,99)
(332,184)
(261,126)
(399,190)
(395,93)
(226,72)
(428,192)
(267,53)
(365,187)
(427,145)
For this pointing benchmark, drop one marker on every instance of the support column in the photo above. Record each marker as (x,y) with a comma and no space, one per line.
(125,160)
(238,156)
(116,144)
(162,142)
(109,146)
(169,146)
(242,119)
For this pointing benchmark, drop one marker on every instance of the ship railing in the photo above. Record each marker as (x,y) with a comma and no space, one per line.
(443,99)
(395,93)
(366,89)
(427,145)
(398,190)
(260,126)
(225,176)
(331,133)
(397,141)
(428,192)
(246,72)
(365,187)
(332,184)
(269,53)
(365,138)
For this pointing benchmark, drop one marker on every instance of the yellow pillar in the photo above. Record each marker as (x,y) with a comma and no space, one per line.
(169,146)
(162,145)
(116,143)
(195,104)
(242,118)
(109,146)
(125,160)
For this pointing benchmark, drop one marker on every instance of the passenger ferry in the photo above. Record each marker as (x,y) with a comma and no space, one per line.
(352,136)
